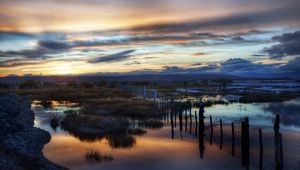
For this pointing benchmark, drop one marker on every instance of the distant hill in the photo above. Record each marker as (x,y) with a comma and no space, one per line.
(148,77)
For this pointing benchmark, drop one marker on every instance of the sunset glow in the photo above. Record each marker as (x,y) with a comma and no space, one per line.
(97,36)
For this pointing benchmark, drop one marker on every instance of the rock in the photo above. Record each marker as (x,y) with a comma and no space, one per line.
(21,144)
(15,113)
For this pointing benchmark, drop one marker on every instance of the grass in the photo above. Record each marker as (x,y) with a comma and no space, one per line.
(67,93)
(95,100)
(120,107)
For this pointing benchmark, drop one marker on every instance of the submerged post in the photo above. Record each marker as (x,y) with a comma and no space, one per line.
(175,118)
(211,130)
(196,122)
(260,150)
(221,134)
(191,121)
(180,123)
(172,121)
(245,143)
(201,130)
(278,144)
(232,139)
(185,120)
(172,125)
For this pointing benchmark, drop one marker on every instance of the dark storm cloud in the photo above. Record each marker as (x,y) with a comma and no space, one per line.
(59,45)
(17,62)
(112,57)
(38,53)
(230,40)
(259,18)
(291,66)
(52,45)
(237,66)
(242,65)
(289,45)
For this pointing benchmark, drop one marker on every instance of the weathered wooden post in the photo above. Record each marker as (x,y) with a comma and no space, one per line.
(232,139)
(196,122)
(175,118)
(245,144)
(278,144)
(260,150)
(172,121)
(191,121)
(221,134)
(201,130)
(185,119)
(211,130)
(180,123)
(172,125)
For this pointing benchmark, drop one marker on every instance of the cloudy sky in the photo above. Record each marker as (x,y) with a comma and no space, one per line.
(51,37)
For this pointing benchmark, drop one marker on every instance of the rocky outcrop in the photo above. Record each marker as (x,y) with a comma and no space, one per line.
(20,143)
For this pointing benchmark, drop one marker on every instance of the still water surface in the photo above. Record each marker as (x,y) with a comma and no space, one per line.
(156,149)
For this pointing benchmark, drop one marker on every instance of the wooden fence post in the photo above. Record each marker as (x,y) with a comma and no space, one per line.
(245,143)
(185,119)
(232,139)
(211,130)
(260,150)
(191,121)
(196,122)
(221,134)
(180,123)
(278,144)
(201,130)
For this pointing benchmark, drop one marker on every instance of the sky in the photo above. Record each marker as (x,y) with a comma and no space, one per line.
(57,37)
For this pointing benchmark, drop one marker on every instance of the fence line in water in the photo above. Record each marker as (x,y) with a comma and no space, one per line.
(174,112)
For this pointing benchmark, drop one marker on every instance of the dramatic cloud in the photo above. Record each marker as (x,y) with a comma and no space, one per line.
(190,36)
(199,69)
(113,57)
(289,45)
(292,66)
(38,53)
(242,65)
(242,20)
(17,63)
(51,45)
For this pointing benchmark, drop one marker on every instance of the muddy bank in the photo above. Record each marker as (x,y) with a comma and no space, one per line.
(20,143)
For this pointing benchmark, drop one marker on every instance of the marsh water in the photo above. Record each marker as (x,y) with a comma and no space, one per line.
(157,150)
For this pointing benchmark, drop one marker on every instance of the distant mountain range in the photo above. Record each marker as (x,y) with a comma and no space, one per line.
(159,77)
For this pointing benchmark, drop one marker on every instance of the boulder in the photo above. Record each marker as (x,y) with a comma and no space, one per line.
(21,144)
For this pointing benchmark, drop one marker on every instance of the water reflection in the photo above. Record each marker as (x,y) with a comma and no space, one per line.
(116,131)
(289,111)
(150,124)
(121,141)
(54,123)
(93,156)
(148,137)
